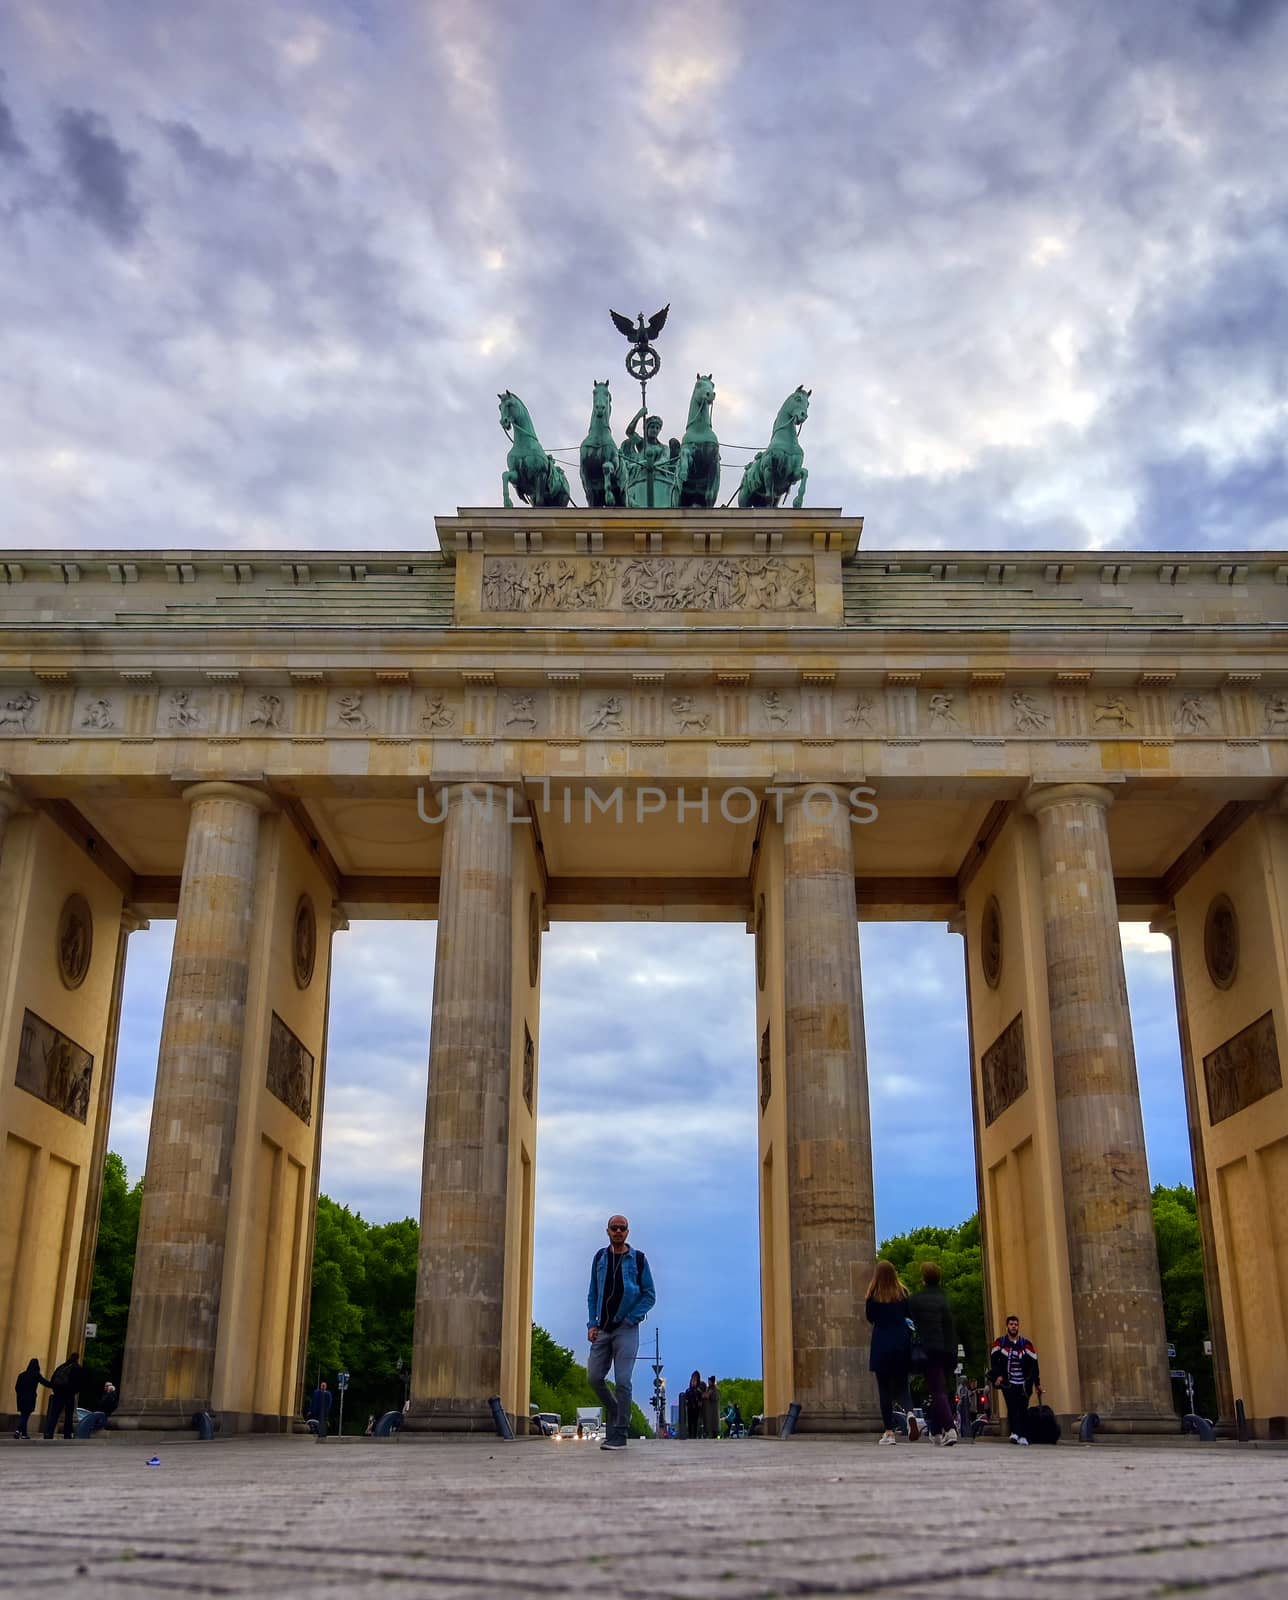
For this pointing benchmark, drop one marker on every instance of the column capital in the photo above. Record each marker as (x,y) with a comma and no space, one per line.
(957,922)
(339,918)
(223,789)
(132,919)
(1165,923)
(1041,796)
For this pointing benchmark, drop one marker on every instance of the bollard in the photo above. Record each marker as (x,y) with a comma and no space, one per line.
(390,1424)
(1087,1427)
(790,1420)
(1193,1423)
(204,1424)
(1240,1422)
(503,1428)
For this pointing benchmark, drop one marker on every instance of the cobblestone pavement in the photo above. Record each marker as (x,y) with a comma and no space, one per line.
(291,1517)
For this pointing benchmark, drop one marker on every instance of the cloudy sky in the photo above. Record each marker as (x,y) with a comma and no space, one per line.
(265,266)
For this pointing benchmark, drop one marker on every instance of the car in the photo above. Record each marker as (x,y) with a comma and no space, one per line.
(547,1422)
(568,1430)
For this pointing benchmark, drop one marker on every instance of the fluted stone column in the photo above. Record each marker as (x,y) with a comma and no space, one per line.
(178,1272)
(831,1230)
(456,1355)
(1113,1262)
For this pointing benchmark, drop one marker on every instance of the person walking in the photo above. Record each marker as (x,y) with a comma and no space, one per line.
(320,1409)
(1013,1368)
(891,1351)
(65,1380)
(693,1398)
(933,1317)
(26,1388)
(620,1296)
(711,1408)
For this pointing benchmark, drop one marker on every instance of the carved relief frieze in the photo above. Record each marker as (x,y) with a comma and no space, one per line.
(1030,712)
(1194,711)
(1112,712)
(437,714)
(605,715)
(861,715)
(1004,1070)
(54,1068)
(648,583)
(529,1069)
(689,715)
(290,1070)
(776,711)
(517,714)
(182,710)
(264,711)
(766,1070)
(18,709)
(1243,1070)
(97,713)
(941,712)
(349,712)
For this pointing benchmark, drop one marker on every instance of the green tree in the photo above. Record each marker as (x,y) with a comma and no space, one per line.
(109,1295)
(957,1251)
(339,1277)
(748,1394)
(1180,1267)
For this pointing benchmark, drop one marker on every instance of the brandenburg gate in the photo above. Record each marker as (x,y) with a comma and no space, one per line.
(629,712)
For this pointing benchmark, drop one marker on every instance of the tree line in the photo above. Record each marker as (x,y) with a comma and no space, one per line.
(364,1296)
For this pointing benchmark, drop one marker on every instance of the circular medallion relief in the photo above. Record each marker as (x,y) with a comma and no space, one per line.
(304,943)
(1221,941)
(990,942)
(534,940)
(75,940)
(760,942)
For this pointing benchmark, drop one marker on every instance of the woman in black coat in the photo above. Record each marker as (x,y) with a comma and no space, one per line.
(930,1310)
(26,1389)
(891,1351)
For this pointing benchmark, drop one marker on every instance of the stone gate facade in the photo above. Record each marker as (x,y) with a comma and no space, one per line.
(625,714)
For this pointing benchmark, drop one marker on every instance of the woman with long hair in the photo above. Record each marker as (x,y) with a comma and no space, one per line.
(891,1352)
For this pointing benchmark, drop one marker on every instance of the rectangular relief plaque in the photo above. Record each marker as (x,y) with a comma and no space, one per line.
(54,1068)
(1004,1070)
(290,1070)
(1243,1070)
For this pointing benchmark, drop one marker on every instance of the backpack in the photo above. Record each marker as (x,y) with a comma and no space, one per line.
(63,1376)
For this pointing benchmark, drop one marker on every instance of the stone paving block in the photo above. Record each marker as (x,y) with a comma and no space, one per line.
(282,1518)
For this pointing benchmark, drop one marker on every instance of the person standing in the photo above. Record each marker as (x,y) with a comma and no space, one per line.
(1013,1368)
(65,1380)
(711,1408)
(891,1351)
(693,1397)
(26,1388)
(930,1311)
(320,1409)
(620,1296)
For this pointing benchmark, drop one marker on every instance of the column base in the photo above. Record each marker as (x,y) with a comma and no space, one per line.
(449,1416)
(173,1417)
(827,1422)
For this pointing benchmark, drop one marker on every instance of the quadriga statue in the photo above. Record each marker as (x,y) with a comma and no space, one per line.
(537,477)
(771,472)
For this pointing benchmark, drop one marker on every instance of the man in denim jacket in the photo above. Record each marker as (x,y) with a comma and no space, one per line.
(621,1295)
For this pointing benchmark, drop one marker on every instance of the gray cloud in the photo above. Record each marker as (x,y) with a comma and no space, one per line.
(99,171)
(12,147)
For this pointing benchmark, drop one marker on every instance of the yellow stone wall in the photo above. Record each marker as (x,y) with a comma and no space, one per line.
(525,1011)
(44,1154)
(1246,1153)
(1023,1222)
(265,1284)
(775,1272)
